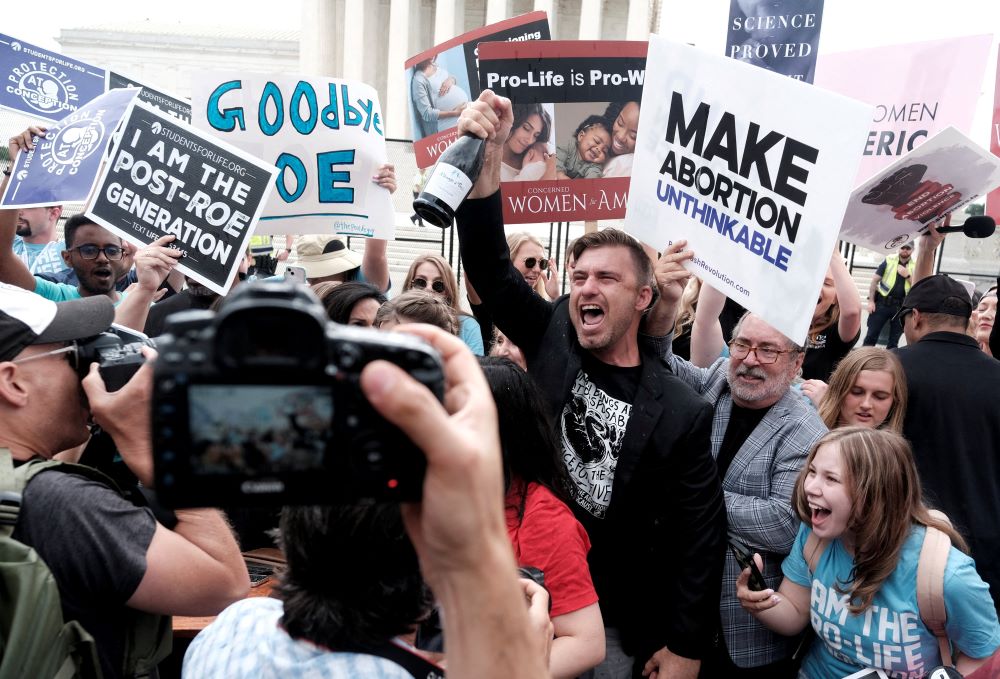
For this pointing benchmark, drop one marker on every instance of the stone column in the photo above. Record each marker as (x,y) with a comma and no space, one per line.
(637,27)
(590,19)
(318,53)
(401,13)
(497,10)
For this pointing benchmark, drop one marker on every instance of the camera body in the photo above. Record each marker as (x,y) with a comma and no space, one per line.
(117,352)
(261,404)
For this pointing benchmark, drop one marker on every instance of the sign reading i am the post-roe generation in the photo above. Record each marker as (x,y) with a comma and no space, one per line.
(753,168)
(167,178)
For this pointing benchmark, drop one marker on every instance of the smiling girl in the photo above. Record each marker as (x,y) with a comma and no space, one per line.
(860,503)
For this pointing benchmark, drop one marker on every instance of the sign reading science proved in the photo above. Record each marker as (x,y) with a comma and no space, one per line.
(753,168)
(44,84)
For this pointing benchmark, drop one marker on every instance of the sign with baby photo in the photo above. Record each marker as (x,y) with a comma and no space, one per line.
(443,80)
(753,169)
(942,175)
(576,118)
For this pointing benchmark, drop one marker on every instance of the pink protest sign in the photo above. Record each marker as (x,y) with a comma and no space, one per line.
(993,199)
(918,89)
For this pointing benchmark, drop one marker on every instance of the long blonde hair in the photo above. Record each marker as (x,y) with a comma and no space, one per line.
(843,378)
(515,241)
(685,312)
(886,501)
(447,276)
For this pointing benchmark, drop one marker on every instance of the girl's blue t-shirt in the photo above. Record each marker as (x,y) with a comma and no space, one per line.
(890,634)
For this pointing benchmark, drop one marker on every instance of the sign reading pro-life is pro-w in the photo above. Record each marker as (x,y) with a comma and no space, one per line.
(753,168)
(166,178)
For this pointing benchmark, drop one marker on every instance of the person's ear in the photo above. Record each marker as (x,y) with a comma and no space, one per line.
(11,389)
(646,299)
(66,254)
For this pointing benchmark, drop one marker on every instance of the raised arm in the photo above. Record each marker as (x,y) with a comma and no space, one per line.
(517,310)
(458,529)
(13,271)
(847,298)
(153,263)
(374,263)
(929,242)
(707,341)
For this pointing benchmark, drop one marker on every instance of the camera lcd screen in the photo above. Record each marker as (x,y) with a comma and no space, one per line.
(253,429)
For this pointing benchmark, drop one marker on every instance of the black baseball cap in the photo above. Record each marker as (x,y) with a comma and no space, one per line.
(27,318)
(938,295)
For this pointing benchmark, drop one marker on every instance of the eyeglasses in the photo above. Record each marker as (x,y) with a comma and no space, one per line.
(530,262)
(90,251)
(765,355)
(421,283)
(69,351)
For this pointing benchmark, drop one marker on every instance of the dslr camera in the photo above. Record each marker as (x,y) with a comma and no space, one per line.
(261,404)
(117,352)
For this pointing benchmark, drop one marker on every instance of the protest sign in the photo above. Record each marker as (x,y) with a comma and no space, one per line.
(938,177)
(917,89)
(752,168)
(44,84)
(441,81)
(325,135)
(576,116)
(171,105)
(65,162)
(779,35)
(993,199)
(165,177)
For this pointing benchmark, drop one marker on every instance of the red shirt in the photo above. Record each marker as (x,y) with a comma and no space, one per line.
(551,539)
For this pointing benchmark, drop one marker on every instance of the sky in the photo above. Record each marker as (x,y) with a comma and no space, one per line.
(847,24)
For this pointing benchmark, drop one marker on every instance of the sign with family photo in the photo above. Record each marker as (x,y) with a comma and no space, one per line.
(576,120)
(443,80)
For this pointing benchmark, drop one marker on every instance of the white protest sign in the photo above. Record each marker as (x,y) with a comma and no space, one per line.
(752,168)
(166,178)
(943,174)
(324,135)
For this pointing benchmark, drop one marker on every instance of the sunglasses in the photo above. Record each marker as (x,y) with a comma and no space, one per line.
(530,262)
(421,284)
(89,251)
(69,351)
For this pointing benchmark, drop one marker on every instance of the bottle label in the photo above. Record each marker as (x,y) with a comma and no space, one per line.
(449,184)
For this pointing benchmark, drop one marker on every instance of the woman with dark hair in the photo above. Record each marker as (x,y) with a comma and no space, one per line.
(352,303)
(624,117)
(526,149)
(542,528)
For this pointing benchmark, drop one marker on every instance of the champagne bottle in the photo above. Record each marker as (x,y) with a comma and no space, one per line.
(451,181)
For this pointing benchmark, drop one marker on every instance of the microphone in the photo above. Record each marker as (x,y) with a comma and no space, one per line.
(980,226)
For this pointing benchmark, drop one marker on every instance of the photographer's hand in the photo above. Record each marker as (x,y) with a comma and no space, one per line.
(458,529)
(124,414)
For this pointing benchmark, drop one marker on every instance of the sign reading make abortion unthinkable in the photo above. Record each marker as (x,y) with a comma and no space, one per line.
(752,168)
(325,135)
(65,162)
(166,178)
(938,177)
(576,116)
(443,80)
(44,84)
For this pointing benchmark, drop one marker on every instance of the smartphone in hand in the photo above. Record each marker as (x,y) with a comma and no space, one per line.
(744,557)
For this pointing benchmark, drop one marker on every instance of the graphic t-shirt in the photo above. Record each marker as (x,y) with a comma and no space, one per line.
(61,292)
(890,634)
(592,428)
(823,351)
(41,257)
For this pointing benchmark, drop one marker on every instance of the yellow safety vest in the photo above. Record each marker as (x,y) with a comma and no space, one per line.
(889,275)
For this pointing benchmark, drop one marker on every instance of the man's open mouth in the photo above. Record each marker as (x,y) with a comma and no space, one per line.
(591,314)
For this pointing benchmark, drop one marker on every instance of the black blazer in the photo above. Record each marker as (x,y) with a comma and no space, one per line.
(657,564)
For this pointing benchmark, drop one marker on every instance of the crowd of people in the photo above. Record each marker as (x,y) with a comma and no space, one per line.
(694,493)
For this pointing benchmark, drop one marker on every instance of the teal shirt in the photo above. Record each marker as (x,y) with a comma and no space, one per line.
(469,332)
(61,292)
